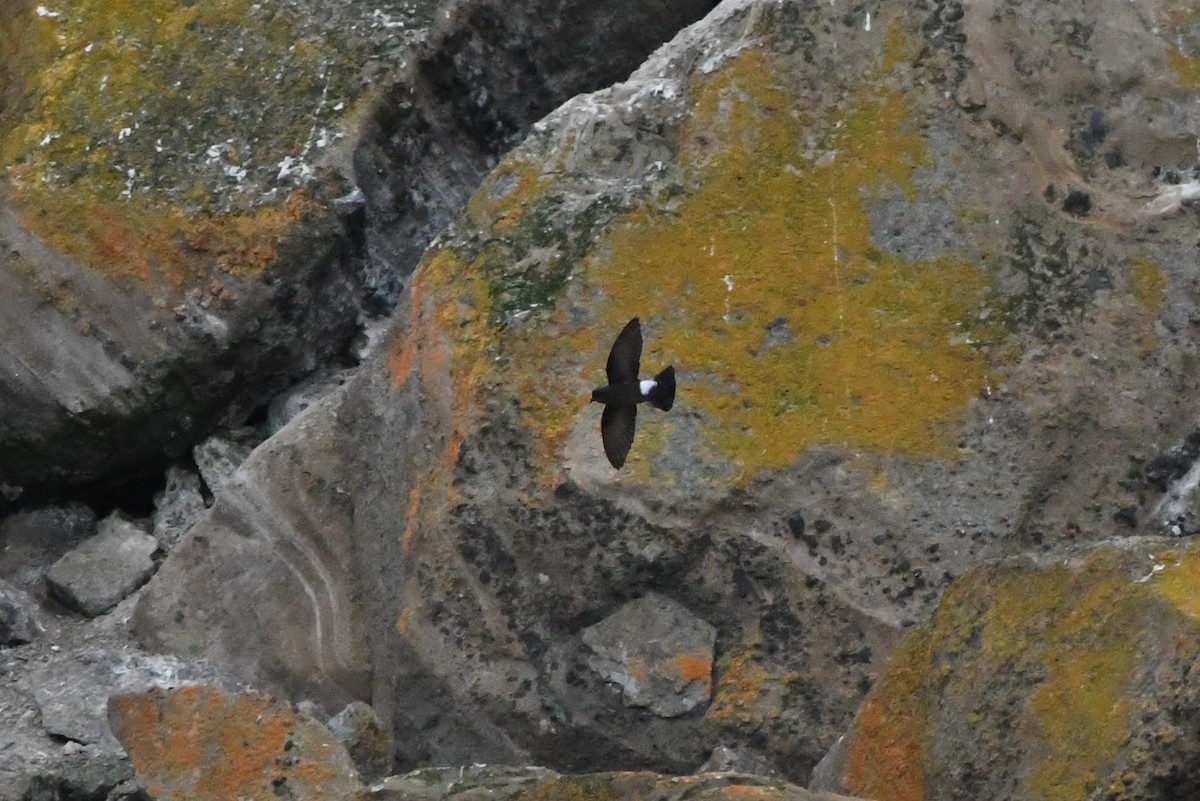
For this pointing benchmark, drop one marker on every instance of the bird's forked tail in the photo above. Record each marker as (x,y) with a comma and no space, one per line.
(662,394)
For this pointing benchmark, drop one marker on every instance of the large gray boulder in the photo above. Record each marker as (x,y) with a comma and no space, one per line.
(928,306)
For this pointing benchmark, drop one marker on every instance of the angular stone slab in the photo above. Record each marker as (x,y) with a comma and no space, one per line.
(658,652)
(94,577)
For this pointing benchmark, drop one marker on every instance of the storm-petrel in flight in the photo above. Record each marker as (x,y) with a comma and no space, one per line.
(625,391)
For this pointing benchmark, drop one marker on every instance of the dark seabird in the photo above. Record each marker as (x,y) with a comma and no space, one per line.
(625,391)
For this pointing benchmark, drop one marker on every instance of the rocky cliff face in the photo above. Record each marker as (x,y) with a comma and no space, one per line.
(926,275)
(789,197)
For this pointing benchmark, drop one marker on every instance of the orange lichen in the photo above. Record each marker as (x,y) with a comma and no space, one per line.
(98,167)
(1061,644)
(595,787)
(158,245)
(886,756)
(410,518)
(743,685)
(695,667)
(203,744)
(404,621)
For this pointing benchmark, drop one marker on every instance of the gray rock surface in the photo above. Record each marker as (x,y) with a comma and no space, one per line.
(19,616)
(657,652)
(97,574)
(296,399)
(501,783)
(145,303)
(55,742)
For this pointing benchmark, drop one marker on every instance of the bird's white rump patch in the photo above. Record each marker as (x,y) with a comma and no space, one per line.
(647,386)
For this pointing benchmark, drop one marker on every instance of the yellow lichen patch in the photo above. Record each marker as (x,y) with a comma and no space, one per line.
(886,758)
(1183,50)
(505,196)
(794,328)
(1078,624)
(1082,741)
(1147,283)
(1078,632)
(26,40)
(100,164)
(550,407)
(570,788)
(1178,581)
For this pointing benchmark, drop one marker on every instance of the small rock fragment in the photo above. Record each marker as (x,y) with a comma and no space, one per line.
(218,457)
(19,618)
(366,738)
(658,652)
(178,506)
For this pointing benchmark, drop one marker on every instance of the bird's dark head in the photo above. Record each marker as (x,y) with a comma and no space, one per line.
(600,395)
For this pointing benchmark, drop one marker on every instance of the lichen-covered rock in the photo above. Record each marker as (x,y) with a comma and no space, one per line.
(169,249)
(1058,680)
(203,744)
(534,784)
(657,652)
(905,345)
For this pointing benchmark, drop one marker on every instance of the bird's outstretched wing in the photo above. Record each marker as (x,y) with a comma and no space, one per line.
(617,425)
(624,360)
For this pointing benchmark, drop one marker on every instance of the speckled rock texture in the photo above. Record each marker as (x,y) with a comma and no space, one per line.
(888,376)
